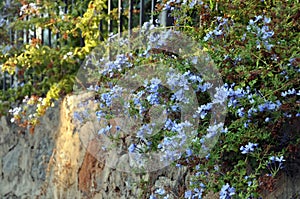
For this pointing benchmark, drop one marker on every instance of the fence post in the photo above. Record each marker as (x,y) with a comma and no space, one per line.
(130,7)
(165,19)
(101,38)
(109,7)
(12,41)
(152,11)
(142,12)
(120,11)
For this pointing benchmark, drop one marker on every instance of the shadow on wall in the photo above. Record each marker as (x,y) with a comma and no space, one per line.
(288,185)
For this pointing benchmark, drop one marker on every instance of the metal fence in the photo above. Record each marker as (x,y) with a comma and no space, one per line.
(139,11)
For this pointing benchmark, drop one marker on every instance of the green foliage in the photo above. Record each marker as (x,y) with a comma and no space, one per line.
(243,59)
(255,45)
(48,71)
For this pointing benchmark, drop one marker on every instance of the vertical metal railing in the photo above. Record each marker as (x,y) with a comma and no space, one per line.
(135,17)
(120,18)
(7,80)
(142,12)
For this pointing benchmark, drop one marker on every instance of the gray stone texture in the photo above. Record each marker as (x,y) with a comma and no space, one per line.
(53,163)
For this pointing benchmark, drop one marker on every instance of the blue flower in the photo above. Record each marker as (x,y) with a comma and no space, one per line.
(189,152)
(257,18)
(277,159)
(267,20)
(174,108)
(267,45)
(288,92)
(280,160)
(248,148)
(268,106)
(208,36)
(272,158)
(104,130)
(192,3)
(131,148)
(153,98)
(213,130)
(169,124)
(232,102)
(195,79)
(106,97)
(264,31)
(154,86)
(144,131)
(218,32)
(251,111)
(160,191)
(221,95)
(241,112)
(188,194)
(198,192)
(202,110)
(178,165)
(175,80)
(180,96)
(179,128)
(100,114)
(136,101)
(227,191)
(204,87)
(152,197)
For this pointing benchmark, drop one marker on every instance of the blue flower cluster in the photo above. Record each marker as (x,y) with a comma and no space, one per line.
(178,83)
(111,67)
(161,192)
(203,110)
(153,89)
(290,92)
(174,141)
(223,25)
(170,146)
(263,33)
(227,191)
(256,101)
(279,160)
(248,148)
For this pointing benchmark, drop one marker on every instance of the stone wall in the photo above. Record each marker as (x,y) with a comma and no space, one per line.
(53,163)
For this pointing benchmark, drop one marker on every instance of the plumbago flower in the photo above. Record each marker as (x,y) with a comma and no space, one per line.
(259,61)
(170,94)
(263,32)
(154,115)
(274,164)
(248,148)
(222,27)
(227,191)
(258,95)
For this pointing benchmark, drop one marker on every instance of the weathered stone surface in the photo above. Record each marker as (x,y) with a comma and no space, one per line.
(24,158)
(53,163)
